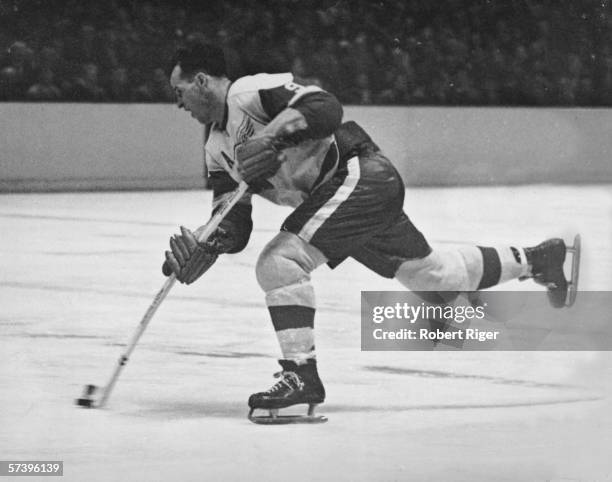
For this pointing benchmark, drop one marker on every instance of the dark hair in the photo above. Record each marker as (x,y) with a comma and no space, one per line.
(200,56)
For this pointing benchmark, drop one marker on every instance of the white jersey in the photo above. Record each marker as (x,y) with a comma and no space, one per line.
(251,104)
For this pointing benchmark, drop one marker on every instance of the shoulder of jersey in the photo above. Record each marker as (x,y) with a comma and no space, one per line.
(253,83)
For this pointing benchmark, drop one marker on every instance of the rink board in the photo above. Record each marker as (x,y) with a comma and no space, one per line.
(63,146)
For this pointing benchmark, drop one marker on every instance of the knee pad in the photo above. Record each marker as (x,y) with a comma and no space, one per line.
(286,260)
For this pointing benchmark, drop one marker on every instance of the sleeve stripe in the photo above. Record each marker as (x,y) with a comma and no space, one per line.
(302,92)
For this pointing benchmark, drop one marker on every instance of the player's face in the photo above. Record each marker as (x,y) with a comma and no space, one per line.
(193,95)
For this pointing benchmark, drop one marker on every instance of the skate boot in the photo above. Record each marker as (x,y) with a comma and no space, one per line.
(546,261)
(298,384)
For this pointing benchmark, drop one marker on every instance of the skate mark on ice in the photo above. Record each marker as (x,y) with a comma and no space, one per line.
(67,289)
(61,336)
(224,302)
(91,253)
(85,219)
(229,354)
(459,406)
(20,322)
(179,409)
(123,236)
(442,374)
(120,344)
(76,289)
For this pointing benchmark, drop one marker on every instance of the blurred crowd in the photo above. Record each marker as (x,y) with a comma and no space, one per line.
(448,52)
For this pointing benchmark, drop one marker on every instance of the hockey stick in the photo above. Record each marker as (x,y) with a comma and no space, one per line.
(87,399)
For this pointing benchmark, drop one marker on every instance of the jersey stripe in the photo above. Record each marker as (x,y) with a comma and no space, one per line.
(341,195)
(302,92)
(329,163)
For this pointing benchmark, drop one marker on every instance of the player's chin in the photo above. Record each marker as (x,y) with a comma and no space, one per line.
(200,119)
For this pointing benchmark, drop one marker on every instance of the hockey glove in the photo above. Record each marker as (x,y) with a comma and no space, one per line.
(258,159)
(189,259)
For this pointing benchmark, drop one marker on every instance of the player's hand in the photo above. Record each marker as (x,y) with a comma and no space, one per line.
(189,259)
(258,159)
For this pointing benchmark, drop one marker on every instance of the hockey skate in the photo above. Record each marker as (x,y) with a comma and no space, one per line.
(547,260)
(298,384)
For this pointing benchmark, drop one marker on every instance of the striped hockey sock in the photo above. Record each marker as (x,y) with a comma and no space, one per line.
(502,264)
(292,311)
(294,326)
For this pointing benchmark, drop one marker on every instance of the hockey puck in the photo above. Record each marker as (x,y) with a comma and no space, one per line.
(84,402)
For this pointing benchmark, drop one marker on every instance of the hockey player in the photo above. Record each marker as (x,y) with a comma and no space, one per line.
(288,142)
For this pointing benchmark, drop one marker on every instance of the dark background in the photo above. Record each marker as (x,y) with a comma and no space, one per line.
(527,52)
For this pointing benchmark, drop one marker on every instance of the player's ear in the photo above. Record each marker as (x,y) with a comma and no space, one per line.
(201,79)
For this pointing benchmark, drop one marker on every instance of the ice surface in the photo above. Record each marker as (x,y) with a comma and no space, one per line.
(79,271)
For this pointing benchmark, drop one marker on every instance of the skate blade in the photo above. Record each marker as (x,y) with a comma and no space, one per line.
(572,286)
(287,419)
(273,418)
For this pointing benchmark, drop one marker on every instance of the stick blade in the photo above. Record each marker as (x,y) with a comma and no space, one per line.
(87,400)
(84,402)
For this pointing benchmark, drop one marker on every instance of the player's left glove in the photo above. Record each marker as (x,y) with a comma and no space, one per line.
(258,159)
(189,259)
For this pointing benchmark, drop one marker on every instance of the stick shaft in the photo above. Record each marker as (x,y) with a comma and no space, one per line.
(202,236)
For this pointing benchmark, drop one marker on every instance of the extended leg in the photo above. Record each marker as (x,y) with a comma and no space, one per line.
(465,269)
(474,268)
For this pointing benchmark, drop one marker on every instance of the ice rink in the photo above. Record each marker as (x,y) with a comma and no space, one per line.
(80,269)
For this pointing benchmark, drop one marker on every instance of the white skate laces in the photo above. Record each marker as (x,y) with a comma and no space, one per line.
(286,379)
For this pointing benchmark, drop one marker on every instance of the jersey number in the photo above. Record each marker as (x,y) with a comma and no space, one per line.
(293,87)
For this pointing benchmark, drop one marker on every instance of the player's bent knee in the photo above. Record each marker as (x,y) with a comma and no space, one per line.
(274,270)
(286,260)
